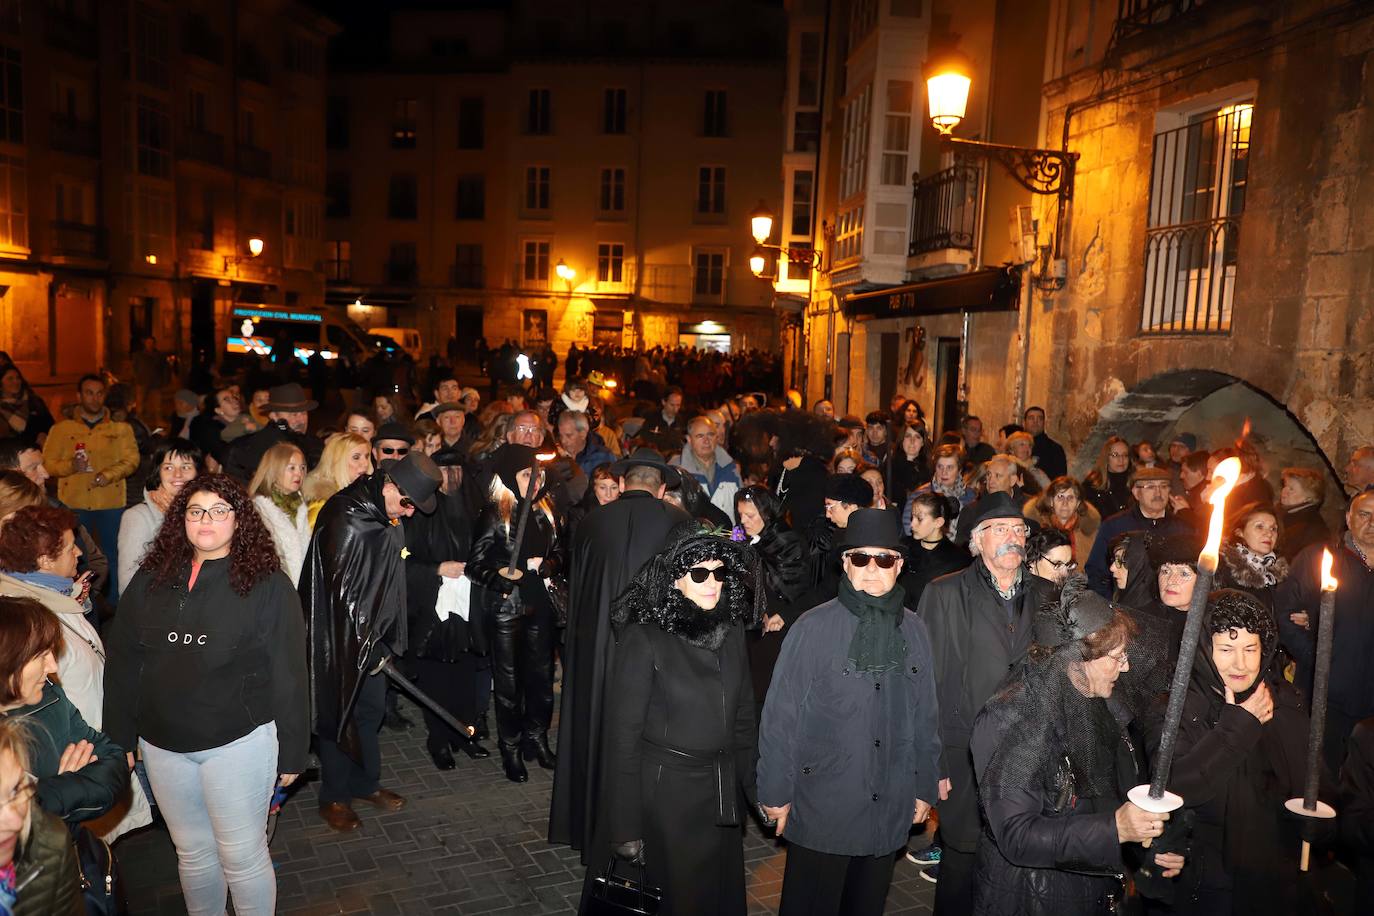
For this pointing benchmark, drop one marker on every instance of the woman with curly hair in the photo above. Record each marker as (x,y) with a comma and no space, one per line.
(276,491)
(346,457)
(206,675)
(673,764)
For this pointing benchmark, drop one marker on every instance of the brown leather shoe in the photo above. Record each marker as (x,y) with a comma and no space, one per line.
(340,817)
(385,799)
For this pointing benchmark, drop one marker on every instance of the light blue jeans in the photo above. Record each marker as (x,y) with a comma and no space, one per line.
(215,805)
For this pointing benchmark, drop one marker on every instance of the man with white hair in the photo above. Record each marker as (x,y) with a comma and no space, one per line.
(980,628)
(710,464)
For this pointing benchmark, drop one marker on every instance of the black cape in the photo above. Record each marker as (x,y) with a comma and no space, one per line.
(434,539)
(612,543)
(353,591)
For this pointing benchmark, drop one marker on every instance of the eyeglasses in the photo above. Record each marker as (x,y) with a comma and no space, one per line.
(1001,531)
(1070,565)
(1158,486)
(527,429)
(1121,660)
(23,793)
(700,574)
(402,450)
(884,560)
(218,512)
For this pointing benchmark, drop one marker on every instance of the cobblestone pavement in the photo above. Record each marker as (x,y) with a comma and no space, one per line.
(468,842)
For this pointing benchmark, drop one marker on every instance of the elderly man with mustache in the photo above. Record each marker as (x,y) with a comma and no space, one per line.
(980,628)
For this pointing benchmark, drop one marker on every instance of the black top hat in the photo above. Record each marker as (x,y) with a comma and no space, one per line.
(993,505)
(872,528)
(289,398)
(640,457)
(417,477)
(393,430)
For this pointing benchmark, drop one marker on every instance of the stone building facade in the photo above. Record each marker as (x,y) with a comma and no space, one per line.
(1216,263)
(479,150)
(144,144)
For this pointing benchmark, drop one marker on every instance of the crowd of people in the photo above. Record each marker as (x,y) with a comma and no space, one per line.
(874,641)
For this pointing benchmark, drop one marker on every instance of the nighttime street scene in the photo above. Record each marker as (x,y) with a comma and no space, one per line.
(687,457)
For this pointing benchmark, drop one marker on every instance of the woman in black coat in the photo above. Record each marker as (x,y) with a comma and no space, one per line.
(785,577)
(1241,753)
(521,611)
(680,728)
(909,466)
(1053,764)
(444,653)
(930,554)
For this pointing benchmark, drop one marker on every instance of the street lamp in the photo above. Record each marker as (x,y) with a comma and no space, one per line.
(761,227)
(255,246)
(563,271)
(947,85)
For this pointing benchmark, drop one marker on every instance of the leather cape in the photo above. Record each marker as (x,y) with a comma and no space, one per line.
(353,592)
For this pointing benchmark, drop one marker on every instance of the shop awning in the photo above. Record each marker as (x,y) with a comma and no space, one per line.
(992,289)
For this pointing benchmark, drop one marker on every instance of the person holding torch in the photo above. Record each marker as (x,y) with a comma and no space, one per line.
(517,549)
(1297,602)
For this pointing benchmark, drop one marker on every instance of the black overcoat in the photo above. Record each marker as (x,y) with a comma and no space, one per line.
(444,535)
(612,543)
(353,592)
(668,696)
(977,640)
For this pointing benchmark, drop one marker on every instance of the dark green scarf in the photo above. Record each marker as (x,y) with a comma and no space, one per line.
(877,645)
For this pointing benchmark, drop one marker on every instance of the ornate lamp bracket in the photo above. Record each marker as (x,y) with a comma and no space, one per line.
(1040,171)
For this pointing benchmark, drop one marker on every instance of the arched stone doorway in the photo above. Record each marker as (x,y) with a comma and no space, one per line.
(1215,407)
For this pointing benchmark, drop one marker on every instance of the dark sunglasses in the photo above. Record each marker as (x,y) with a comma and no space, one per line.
(403,450)
(700,574)
(884,560)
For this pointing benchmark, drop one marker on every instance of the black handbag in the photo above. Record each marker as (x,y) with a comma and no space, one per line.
(615,895)
(101,886)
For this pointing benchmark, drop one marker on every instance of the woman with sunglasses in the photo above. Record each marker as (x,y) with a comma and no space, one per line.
(679,728)
(206,675)
(522,611)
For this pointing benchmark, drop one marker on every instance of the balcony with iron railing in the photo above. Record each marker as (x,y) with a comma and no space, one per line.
(74,135)
(78,240)
(201,146)
(1136,16)
(944,220)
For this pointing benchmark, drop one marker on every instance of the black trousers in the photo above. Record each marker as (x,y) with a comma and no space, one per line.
(954,892)
(522,675)
(454,686)
(820,884)
(342,779)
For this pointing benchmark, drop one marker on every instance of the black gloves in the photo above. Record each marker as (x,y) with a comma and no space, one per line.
(632,852)
(1319,831)
(531,587)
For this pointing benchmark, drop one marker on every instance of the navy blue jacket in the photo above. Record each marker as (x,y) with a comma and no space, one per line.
(1099,576)
(850,752)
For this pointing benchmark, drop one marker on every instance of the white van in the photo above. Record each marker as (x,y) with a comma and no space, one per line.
(407,339)
(295,333)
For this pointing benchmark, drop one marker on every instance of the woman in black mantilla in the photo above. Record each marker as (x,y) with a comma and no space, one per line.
(522,613)
(1054,761)
(785,577)
(1241,753)
(680,728)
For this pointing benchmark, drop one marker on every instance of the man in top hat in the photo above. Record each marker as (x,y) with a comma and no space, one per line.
(288,416)
(353,591)
(980,628)
(610,546)
(849,746)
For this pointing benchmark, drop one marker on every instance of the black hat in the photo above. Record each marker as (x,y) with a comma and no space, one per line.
(872,528)
(450,456)
(849,488)
(393,430)
(1179,548)
(417,477)
(993,505)
(509,460)
(640,457)
(289,398)
(849,421)
(1079,613)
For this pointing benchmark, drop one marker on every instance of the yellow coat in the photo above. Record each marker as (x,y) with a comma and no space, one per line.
(111,450)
